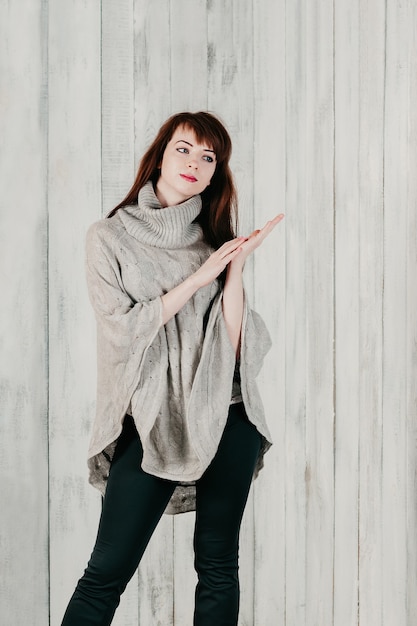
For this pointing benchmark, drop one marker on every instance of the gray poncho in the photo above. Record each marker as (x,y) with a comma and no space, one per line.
(174,379)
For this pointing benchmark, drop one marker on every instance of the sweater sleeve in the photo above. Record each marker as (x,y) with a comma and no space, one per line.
(125,331)
(255,344)
(126,321)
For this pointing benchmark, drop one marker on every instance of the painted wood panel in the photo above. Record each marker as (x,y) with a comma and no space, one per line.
(394,477)
(320,101)
(411,316)
(74,192)
(347,310)
(371,156)
(296,201)
(24,583)
(320,316)
(269,199)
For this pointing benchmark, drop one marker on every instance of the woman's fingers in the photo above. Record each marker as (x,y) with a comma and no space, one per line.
(229,246)
(272,223)
(257,236)
(268,226)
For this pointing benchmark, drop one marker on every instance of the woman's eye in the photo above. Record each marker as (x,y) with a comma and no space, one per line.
(183,150)
(208,158)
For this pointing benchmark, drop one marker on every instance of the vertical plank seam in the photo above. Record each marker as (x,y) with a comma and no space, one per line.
(358,495)
(45,120)
(285,310)
(383,290)
(360,405)
(334,308)
(409,335)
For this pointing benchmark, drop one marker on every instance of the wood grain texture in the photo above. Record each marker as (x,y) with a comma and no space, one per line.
(269,127)
(411,357)
(347,310)
(372,60)
(75,202)
(152,71)
(320,316)
(24,583)
(117,102)
(295,314)
(394,442)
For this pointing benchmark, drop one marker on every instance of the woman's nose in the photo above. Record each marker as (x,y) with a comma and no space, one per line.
(193,163)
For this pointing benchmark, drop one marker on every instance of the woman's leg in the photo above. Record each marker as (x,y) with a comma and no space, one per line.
(221,498)
(132,507)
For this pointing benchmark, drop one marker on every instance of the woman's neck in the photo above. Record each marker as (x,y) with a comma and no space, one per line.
(168,196)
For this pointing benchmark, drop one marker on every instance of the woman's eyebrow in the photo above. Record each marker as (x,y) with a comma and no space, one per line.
(190,144)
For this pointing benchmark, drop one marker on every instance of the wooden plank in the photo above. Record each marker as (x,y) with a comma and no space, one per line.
(372,48)
(185,578)
(295,312)
(75,202)
(230,80)
(347,312)
(412,320)
(320,312)
(269,298)
(188,36)
(152,98)
(24,314)
(152,71)
(117,101)
(394,469)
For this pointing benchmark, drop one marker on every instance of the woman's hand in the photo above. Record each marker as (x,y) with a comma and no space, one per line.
(254,240)
(233,254)
(217,261)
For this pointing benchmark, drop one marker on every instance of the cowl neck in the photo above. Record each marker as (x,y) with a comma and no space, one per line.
(162,227)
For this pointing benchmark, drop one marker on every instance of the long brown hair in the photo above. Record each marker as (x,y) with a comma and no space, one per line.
(218,216)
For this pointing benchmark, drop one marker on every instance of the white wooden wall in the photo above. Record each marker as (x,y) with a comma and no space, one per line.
(320,98)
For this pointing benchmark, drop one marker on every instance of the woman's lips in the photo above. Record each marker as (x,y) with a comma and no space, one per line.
(190,179)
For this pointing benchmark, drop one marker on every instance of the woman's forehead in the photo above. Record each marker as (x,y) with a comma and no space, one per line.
(188,134)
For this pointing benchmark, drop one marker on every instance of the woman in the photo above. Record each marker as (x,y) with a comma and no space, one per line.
(179,424)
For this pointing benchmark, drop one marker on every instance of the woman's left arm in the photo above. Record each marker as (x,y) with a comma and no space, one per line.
(233,288)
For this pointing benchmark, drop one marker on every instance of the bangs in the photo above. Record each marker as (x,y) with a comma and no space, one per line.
(208,130)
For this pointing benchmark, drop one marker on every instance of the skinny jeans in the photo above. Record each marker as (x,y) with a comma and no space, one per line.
(134,503)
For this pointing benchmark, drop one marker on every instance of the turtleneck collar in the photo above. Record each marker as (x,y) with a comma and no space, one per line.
(169,227)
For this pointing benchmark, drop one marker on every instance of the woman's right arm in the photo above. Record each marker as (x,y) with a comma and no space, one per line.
(175,299)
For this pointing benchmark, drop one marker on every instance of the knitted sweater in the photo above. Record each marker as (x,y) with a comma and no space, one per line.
(175,379)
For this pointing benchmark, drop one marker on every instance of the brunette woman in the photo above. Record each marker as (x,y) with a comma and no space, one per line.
(179,424)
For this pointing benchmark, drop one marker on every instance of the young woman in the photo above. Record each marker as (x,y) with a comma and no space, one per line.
(179,424)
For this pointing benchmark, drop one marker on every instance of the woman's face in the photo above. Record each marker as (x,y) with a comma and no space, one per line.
(186,169)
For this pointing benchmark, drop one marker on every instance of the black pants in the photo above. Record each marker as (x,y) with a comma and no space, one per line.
(132,507)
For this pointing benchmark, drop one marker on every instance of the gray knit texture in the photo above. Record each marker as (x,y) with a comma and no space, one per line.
(175,379)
